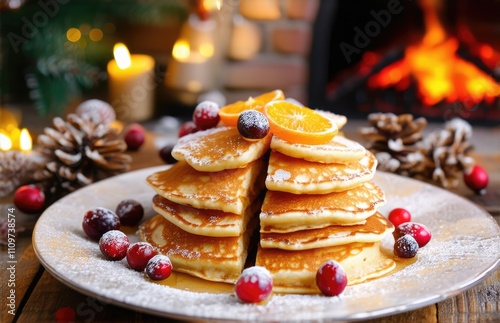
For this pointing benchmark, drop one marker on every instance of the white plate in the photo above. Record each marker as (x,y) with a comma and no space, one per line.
(464,249)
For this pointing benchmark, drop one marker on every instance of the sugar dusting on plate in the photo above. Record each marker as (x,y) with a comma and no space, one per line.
(464,248)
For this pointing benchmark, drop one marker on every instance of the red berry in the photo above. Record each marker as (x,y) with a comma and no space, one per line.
(29,199)
(134,139)
(135,127)
(253,125)
(331,278)
(114,244)
(406,247)
(139,254)
(98,221)
(476,178)
(254,285)
(398,216)
(206,115)
(166,154)
(418,231)
(187,128)
(159,267)
(65,315)
(130,212)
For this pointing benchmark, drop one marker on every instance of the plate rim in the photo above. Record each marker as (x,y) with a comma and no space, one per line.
(392,310)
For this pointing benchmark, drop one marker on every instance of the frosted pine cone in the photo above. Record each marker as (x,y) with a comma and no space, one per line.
(448,150)
(16,169)
(393,140)
(79,152)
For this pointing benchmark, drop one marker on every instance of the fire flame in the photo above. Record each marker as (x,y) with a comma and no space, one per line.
(441,75)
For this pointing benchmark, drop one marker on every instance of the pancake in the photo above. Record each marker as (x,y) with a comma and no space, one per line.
(375,228)
(230,190)
(210,258)
(298,176)
(295,271)
(286,212)
(205,222)
(218,149)
(338,150)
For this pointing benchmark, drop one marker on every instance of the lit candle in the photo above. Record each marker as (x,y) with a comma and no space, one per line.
(191,67)
(131,84)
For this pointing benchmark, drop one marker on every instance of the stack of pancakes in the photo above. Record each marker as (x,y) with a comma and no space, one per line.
(208,203)
(321,204)
(312,203)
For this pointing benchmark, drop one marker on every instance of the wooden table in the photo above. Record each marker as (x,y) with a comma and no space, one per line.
(39,296)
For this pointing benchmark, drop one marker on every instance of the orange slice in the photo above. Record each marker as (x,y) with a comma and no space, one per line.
(229,114)
(298,124)
(265,98)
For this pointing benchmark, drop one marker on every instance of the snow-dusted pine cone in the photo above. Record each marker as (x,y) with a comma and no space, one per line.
(79,152)
(448,149)
(393,138)
(16,169)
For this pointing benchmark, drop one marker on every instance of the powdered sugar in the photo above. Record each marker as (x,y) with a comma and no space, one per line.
(465,247)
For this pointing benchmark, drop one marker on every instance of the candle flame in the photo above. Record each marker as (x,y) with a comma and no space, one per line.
(5,142)
(25,141)
(122,56)
(181,50)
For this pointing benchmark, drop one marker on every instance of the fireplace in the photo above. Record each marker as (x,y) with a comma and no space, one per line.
(433,58)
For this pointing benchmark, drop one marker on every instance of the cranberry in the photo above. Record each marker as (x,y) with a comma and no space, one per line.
(187,128)
(139,254)
(206,115)
(398,216)
(166,154)
(253,125)
(130,212)
(29,199)
(254,285)
(159,267)
(418,231)
(114,244)
(476,178)
(98,221)
(65,315)
(134,139)
(406,247)
(331,278)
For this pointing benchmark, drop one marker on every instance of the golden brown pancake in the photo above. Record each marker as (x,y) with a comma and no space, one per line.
(218,149)
(230,190)
(205,222)
(375,228)
(295,271)
(339,150)
(286,212)
(298,176)
(211,258)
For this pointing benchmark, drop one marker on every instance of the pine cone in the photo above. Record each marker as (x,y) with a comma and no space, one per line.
(393,140)
(448,150)
(16,169)
(79,152)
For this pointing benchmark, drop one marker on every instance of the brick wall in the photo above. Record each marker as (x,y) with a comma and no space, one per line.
(282,59)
